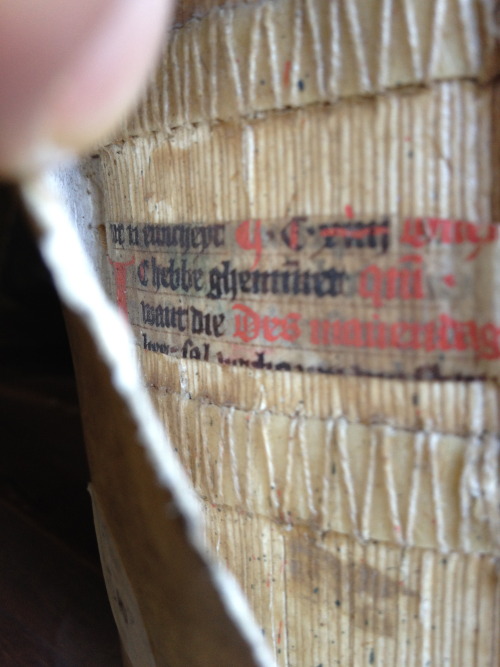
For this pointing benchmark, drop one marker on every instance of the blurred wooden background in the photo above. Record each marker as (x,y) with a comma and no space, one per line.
(53,605)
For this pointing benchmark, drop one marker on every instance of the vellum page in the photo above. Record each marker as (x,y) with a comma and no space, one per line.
(300,224)
(173,604)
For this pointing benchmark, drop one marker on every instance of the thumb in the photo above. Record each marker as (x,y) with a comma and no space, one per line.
(69,71)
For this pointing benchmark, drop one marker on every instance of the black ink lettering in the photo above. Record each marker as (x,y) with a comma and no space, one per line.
(192,351)
(208,324)
(142,272)
(184,237)
(357,234)
(164,317)
(176,277)
(117,234)
(133,235)
(227,282)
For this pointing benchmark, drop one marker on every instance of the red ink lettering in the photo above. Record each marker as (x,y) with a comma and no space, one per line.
(120,271)
(349,233)
(349,212)
(450,280)
(294,235)
(418,232)
(248,325)
(396,282)
(250,239)
(414,233)
(442,334)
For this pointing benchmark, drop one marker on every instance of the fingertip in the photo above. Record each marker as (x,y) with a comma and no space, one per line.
(69,79)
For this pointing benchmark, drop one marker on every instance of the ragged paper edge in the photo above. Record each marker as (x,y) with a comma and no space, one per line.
(80,291)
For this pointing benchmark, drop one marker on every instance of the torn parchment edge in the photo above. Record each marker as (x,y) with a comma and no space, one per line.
(81,292)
